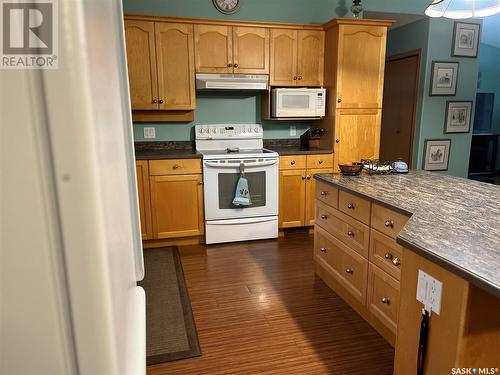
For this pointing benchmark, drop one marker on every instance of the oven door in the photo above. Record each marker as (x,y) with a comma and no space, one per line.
(221,177)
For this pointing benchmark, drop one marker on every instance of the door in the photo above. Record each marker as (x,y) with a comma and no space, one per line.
(283,57)
(250,50)
(213,48)
(357,135)
(400,106)
(141,61)
(177,205)
(142,172)
(311,49)
(310,213)
(361,66)
(175,54)
(292,198)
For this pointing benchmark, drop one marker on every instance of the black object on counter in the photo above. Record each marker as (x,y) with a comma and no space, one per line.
(310,134)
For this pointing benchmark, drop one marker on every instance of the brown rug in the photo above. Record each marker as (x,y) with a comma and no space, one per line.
(170,328)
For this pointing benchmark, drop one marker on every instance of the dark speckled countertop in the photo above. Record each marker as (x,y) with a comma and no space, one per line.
(455,222)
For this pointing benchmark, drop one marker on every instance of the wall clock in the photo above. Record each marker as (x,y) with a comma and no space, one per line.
(227,6)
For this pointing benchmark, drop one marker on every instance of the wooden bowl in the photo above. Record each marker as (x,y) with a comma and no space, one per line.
(351,169)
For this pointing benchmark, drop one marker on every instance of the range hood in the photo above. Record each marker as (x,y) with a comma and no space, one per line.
(232,81)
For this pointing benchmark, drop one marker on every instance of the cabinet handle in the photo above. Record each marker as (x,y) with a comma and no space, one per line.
(337,141)
(299,78)
(235,65)
(295,78)
(350,233)
(304,177)
(176,166)
(308,177)
(155,101)
(388,255)
(323,249)
(229,65)
(160,101)
(292,162)
(339,100)
(351,206)
(200,183)
(324,193)
(350,271)
(389,223)
(324,217)
(396,262)
(320,161)
(385,300)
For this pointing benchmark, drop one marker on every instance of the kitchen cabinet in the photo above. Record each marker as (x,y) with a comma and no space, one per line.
(142,173)
(160,57)
(231,49)
(297,188)
(297,57)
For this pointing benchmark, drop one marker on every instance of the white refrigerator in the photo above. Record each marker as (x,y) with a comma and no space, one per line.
(71,251)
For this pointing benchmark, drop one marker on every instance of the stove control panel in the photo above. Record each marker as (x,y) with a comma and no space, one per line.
(227,131)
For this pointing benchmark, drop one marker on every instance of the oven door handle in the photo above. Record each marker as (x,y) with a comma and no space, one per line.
(237,165)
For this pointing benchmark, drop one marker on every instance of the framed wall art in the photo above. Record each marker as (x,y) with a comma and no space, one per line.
(458,116)
(465,39)
(444,78)
(436,154)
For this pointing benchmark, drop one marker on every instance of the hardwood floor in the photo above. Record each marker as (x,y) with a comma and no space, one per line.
(259,309)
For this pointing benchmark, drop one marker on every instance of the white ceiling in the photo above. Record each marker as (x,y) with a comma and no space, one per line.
(491,30)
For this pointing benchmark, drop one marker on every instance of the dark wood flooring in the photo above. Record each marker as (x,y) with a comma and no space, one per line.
(259,309)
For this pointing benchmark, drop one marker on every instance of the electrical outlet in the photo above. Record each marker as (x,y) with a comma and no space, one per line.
(149,133)
(293,130)
(429,291)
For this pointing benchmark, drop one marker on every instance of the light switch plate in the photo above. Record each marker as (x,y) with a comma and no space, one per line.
(149,133)
(293,130)
(429,292)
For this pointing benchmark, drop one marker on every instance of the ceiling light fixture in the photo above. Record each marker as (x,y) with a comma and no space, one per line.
(459,9)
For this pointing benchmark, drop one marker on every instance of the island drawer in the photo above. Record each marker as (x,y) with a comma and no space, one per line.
(293,162)
(326,193)
(386,253)
(174,166)
(320,161)
(383,297)
(351,232)
(345,265)
(387,221)
(355,206)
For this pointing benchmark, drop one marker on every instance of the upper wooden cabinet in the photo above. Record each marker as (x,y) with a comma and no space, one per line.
(231,49)
(160,58)
(297,57)
(360,66)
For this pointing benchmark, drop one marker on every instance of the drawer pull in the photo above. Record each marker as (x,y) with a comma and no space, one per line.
(323,249)
(350,233)
(388,256)
(324,193)
(389,223)
(176,166)
(292,162)
(308,177)
(385,300)
(304,177)
(324,217)
(396,262)
(320,162)
(351,206)
(350,271)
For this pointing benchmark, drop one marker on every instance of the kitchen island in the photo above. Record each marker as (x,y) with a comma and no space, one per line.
(445,226)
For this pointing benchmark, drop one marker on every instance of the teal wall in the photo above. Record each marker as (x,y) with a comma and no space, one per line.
(489,66)
(431,114)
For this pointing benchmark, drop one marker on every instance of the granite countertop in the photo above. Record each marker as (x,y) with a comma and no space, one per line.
(165,150)
(454,222)
(292,147)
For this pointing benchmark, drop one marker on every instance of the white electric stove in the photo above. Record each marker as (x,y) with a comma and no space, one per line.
(228,150)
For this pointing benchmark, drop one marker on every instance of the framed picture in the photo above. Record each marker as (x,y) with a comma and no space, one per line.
(458,115)
(444,78)
(436,154)
(465,39)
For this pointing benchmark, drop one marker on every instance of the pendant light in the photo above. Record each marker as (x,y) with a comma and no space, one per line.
(458,9)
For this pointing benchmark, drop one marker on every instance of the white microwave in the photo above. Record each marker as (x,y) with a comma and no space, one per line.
(290,102)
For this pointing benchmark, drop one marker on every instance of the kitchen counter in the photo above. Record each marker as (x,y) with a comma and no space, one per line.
(454,222)
(292,147)
(165,150)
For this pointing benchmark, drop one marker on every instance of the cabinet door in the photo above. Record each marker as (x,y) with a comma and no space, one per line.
(175,56)
(283,57)
(177,205)
(292,198)
(141,61)
(142,172)
(311,194)
(357,135)
(361,66)
(251,50)
(311,50)
(213,48)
